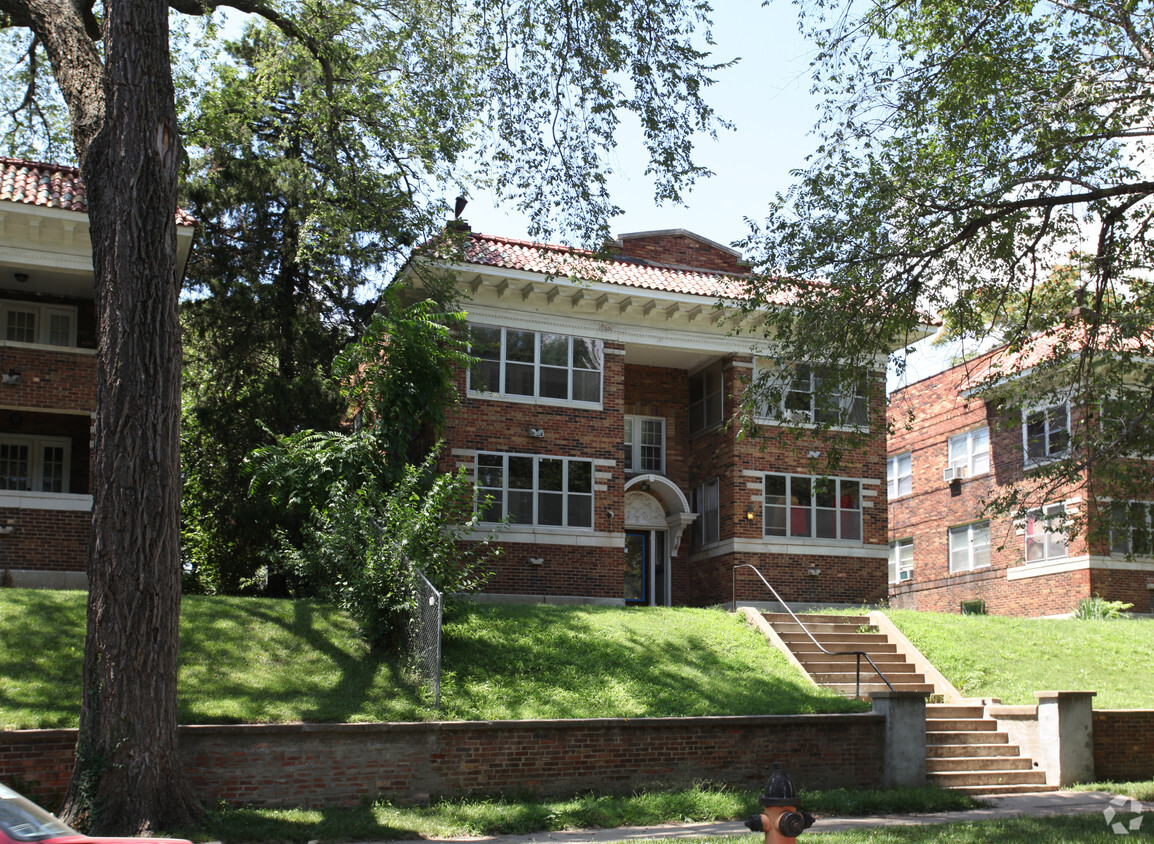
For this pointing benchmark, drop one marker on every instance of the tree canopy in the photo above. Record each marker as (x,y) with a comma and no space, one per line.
(969,153)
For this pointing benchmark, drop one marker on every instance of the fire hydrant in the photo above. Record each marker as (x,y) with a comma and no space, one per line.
(783,820)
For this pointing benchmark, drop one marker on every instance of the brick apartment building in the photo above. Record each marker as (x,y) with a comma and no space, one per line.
(48,336)
(597,418)
(967,446)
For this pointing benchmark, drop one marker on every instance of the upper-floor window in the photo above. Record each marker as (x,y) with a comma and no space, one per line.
(706,405)
(48,325)
(644,444)
(900,475)
(1044,537)
(706,504)
(1131,528)
(969,546)
(1119,424)
(805,505)
(34,464)
(535,490)
(818,395)
(535,364)
(970,452)
(901,560)
(1046,432)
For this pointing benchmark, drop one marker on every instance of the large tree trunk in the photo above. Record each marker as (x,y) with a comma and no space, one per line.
(129,775)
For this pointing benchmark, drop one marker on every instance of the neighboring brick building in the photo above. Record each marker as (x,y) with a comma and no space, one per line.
(964,449)
(48,336)
(597,417)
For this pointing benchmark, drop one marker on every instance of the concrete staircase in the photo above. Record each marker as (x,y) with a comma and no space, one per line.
(966,752)
(844,633)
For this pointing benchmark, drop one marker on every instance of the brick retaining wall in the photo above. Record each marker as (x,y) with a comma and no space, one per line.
(1124,744)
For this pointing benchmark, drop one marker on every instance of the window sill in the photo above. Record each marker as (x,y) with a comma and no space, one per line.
(515,399)
(46,347)
(45,501)
(791,423)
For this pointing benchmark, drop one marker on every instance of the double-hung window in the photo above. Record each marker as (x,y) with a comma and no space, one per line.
(535,490)
(34,464)
(535,364)
(969,547)
(899,475)
(809,506)
(1045,540)
(644,444)
(970,452)
(1131,524)
(706,406)
(48,325)
(901,560)
(1046,432)
(706,504)
(818,395)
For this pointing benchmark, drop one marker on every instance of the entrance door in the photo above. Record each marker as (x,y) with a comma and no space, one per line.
(646,568)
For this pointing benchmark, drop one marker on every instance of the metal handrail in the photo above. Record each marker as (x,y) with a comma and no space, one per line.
(858,654)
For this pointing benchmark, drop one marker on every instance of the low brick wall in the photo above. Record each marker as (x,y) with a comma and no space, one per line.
(1124,744)
(338,764)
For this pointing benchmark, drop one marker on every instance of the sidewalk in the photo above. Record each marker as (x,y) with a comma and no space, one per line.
(1005,806)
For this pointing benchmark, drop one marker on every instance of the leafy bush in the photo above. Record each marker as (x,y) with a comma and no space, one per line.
(1098,609)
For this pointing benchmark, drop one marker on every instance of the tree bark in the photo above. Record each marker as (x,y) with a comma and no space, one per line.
(129,776)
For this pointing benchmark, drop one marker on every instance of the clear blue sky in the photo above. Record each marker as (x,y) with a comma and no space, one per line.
(766,95)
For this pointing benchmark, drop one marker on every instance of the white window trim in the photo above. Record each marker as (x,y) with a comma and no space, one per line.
(43,320)
(971,556)
(1047,511)
(960,451)
(536,397)
(635,444)
(36,446)
(536,491)
(901,571)
(1043,408)
(768,372)
(813,509)
(894,477)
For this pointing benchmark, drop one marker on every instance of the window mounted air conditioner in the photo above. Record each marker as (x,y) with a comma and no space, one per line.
(953,473)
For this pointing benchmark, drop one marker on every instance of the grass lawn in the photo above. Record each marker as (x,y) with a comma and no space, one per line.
(1011,658)
(250,660)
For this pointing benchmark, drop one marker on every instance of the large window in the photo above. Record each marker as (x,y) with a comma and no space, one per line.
(1044,537)
(706,406)
(534,490)
(706,504)
(1131,528)
(899,475)
(1046,432)
(901,560)
(969,547)
(970,452)
(644,444)
(535,364)
(49,325)
(34,464)
(809,506)
(819,395)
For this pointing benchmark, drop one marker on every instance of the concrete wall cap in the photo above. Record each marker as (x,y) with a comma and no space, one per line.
(1051,695)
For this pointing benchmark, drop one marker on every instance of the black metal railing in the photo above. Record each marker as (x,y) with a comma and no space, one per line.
(804,629)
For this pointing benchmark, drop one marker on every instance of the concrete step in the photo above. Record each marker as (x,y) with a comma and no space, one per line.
(986,779)
(936,765)
(849,666)
(952,710)
(830,678)
(970,737)
(954,751)
(819,618)
(817,657)
(859,641)
(960,725)
(869,688)
(822,628)
(1003,789)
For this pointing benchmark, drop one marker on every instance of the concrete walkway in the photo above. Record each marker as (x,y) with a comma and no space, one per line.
(999,806)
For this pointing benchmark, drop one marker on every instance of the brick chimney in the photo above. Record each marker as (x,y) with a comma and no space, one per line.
(681,249)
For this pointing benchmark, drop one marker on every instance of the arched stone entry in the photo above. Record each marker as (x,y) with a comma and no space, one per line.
(656,515)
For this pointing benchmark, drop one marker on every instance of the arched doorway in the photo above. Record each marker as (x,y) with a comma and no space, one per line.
(656,513)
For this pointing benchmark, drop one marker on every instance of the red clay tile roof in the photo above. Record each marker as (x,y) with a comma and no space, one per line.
(549,259)
(52,186)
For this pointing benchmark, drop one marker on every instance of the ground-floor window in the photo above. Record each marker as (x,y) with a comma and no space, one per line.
(811,506)
(1044,538)
(535,490)
(1130,528)
(34,464)
(969,546)
(901,560)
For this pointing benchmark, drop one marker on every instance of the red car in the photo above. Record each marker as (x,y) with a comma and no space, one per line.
(22,821)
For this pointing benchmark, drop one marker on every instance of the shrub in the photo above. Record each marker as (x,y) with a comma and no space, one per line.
(1099,609)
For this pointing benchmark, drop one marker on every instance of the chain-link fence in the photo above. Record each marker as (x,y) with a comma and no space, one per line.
(424,637)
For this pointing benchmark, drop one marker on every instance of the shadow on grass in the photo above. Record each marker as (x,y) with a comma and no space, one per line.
(237,826)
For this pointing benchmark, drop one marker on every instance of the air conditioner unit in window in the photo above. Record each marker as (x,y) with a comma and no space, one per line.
(953,473)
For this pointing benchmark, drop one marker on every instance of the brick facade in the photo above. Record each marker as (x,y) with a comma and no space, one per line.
(1123,744)
(658,335)
(1008,585)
